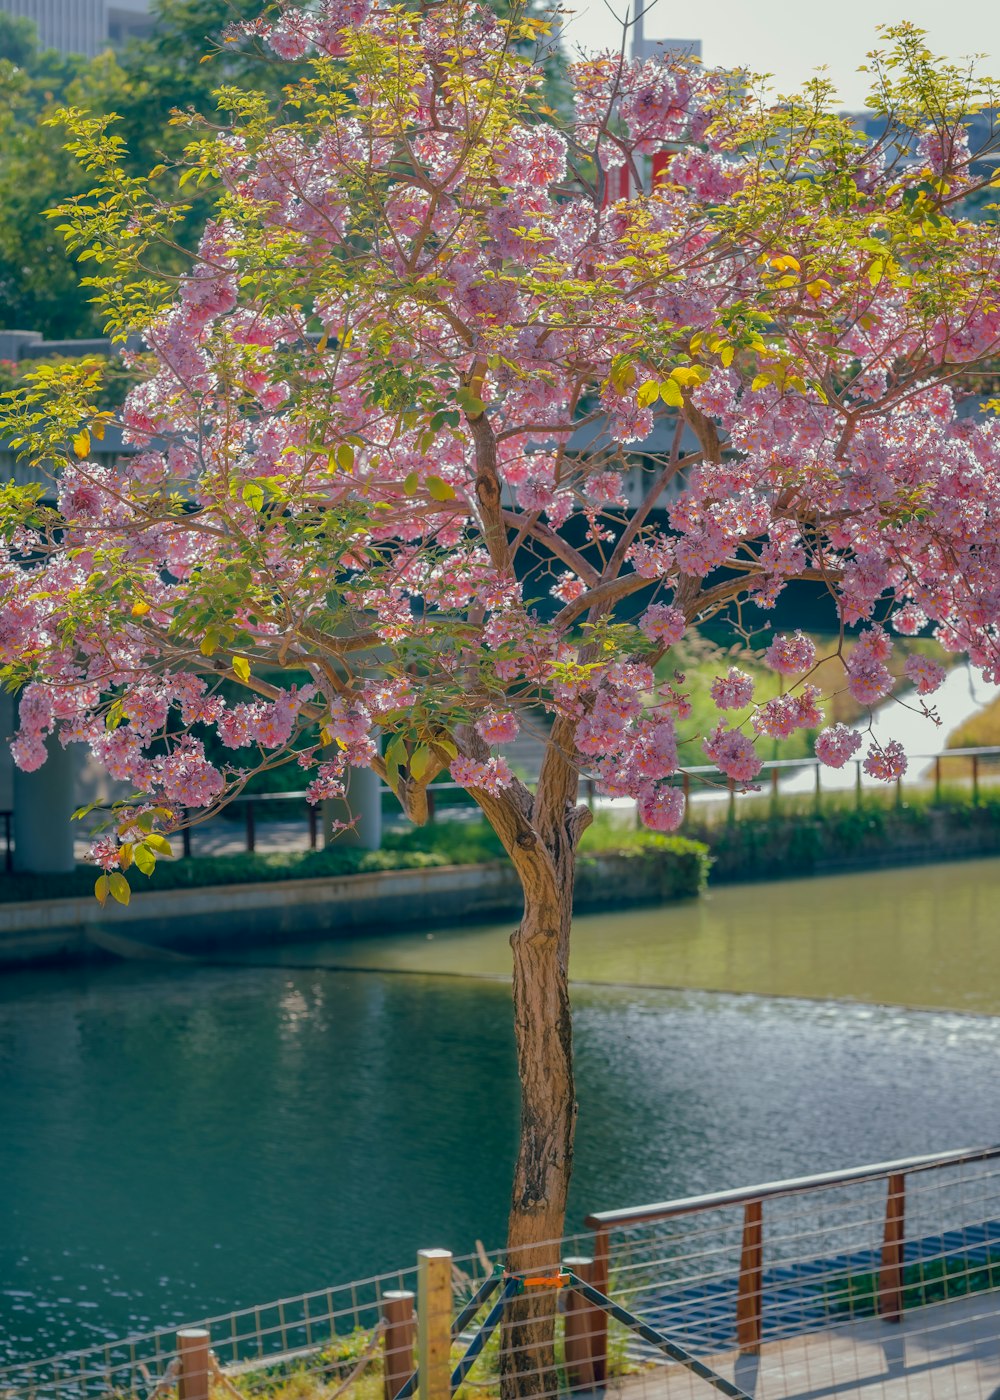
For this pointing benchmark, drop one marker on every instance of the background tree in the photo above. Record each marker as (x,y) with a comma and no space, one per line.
(383,430)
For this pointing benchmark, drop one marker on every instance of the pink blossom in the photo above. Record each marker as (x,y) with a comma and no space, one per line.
(927,675)
(885,761)
(836,745)
(733,691)
(661,808)
(492,776)
(327,784)
(105,852)
(733,754)
(498,728)
(790,655)
(663,624)
(867,679)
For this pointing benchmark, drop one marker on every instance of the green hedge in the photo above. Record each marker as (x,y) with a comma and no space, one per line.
(418,848)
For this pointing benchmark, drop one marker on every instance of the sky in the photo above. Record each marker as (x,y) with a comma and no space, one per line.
(792,40)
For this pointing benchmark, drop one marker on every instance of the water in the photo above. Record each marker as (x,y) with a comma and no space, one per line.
(175,1143)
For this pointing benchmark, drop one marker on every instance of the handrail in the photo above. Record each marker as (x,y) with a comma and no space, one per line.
(665,1210)
(716,1200)
(750,1281)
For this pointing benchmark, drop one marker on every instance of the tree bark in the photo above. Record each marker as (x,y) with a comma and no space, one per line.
(540,833)
(544,1039)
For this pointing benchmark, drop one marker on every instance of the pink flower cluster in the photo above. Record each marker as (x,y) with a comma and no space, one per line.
(925,673)
(734,691)
(837,745)
(790,655)
(868,678)
(491,776)
(733,753)
(783,715)
(885,761)
(664,624)
(498,728)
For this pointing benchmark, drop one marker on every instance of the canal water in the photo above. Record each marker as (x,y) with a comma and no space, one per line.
(176,1142)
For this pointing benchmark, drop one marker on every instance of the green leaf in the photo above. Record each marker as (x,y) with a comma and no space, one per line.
(410,484)
(345,457)
(395,757)
(119,887)
(253,496)
(440,490)
(102,889)
(241,667)
(114,716)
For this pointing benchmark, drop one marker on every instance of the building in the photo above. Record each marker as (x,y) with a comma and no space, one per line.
(83,26)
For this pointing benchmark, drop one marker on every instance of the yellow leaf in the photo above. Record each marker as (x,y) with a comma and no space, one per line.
(119,887)
(762,381)
(241,667)
(345,457)
(209,643)
(420,761)
(727,355)
(786,261)
(159,843)
(410,484)
(140,609)
(144,859)
(670,393)
(125,855)
(689,375)
(440,490)
(817,288)
(648,393)
(101,890)
(81,443)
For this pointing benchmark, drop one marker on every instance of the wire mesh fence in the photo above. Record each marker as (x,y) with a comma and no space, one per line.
(885,1278)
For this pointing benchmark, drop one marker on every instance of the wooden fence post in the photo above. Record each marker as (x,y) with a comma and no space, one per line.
(748,1298)
(600,1279)
(581,1324)
(195,1363)
(400,1323)
(890,1277)
(434,1307)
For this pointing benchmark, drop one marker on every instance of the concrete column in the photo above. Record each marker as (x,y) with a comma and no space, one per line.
(44,802)
(364,801)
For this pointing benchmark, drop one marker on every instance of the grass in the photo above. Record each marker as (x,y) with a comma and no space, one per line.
(937,1281)
(323,1372)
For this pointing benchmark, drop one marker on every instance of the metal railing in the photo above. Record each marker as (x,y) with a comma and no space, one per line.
(844,1228)
(662,1284)
(450,796)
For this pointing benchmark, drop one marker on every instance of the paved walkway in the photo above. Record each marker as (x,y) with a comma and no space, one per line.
(950,1351)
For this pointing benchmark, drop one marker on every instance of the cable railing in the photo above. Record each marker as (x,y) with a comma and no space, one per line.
(678,1297)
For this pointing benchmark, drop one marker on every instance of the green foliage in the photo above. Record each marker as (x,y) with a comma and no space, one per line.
(936,1281)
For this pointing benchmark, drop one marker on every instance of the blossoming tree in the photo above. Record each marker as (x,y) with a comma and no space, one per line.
(381,428)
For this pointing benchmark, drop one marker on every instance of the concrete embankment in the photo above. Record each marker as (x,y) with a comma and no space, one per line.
(226,917)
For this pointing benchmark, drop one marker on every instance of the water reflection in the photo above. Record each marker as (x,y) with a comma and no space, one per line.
(924,936)
(176,1143)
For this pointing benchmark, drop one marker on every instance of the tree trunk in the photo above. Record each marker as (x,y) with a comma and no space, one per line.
(540,833)
(544,1038)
